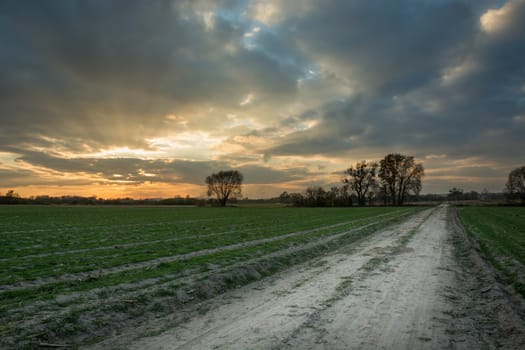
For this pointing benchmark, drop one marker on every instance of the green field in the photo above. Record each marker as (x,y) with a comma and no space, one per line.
(500,232)
(70,272)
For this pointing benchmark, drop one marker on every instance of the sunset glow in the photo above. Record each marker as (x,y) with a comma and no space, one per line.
(145,99)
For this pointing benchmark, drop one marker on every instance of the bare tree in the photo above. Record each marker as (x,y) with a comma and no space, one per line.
(225,185)
(12,194)
(362,180)
(315,196)
(455,194)
(515,187)
(345,196)
(330,197)
(284,197)
(400,175)
(373,192)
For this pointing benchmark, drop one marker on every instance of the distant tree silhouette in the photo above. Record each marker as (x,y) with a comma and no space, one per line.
(395,179)
(515,186)
(285,197)
(455,194)
(315,196)
(362,180)
(225,185)
(400,175)
(12,194)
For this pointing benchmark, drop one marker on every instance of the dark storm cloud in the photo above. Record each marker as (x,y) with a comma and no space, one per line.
(108,72)
(399,55)
(325,78)
(388,45)
(134,170)
(16,177)
(254,174)
(21,177)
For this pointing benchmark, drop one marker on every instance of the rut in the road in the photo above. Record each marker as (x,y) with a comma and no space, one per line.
(335,301)
(395,301)
(396,289)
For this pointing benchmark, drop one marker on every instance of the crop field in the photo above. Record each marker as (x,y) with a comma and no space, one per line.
(75,273)
(500,232)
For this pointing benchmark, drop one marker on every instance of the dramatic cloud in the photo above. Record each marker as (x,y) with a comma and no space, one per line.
(140,93)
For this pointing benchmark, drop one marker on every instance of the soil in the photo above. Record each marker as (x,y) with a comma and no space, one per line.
(420,284)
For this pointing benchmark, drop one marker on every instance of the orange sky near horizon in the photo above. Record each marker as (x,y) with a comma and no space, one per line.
(145,99)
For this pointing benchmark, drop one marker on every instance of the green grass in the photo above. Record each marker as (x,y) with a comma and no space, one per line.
(500,232)
(72,240)
(66,253)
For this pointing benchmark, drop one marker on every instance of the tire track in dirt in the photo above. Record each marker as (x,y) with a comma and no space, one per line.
(410,286)
(398,303)
(496,312)
(288,310)
(38,312)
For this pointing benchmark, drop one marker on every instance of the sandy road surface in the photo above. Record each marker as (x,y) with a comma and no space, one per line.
(394,290)
(389,291)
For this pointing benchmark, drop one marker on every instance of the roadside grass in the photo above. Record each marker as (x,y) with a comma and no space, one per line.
(500,233)
(55,242)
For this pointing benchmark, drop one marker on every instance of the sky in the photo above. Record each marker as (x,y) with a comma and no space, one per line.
(146,98)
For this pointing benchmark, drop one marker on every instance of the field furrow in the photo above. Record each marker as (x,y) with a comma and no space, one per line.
(76,292)
(500,233)
(103,271)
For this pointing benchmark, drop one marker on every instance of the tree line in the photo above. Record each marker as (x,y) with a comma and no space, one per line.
(515,186)
(396,179)
(514,192)
(393,180)
(12,197)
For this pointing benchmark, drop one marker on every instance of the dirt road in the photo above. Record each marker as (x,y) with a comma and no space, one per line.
(395,290)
